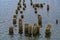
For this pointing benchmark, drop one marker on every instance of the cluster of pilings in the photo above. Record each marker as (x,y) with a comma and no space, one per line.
(24,5)
(37,5)
(30,30)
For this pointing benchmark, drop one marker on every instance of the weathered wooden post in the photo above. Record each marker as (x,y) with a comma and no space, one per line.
(40,20)
(18,8)
(14,19)
(56,21)
(21,12)
(22,16)
(35,8)
(18,3)
(31,3)
(47,31)
(35,11)
(48,7)
(11,32)
(36,30)
(26,29)
(20,26)
(41,5)
(29,30)
(24,4)
(23,8)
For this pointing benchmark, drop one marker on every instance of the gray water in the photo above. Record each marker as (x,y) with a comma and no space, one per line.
(7,10)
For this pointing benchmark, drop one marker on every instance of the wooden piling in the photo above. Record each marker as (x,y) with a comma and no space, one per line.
(48,7)
(11,32)
(36,30)
(40,20)
(56,21)
(18,8)
(29,30)
(26,29)
(23,8)
(22,16)
(35,11)
(41,5)
(21,12)
(14,19)
(20,26)
(47,31)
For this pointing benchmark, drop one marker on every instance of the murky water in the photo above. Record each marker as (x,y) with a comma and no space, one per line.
(7,10)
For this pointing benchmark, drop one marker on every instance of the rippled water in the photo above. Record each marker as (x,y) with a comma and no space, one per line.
(7,10)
